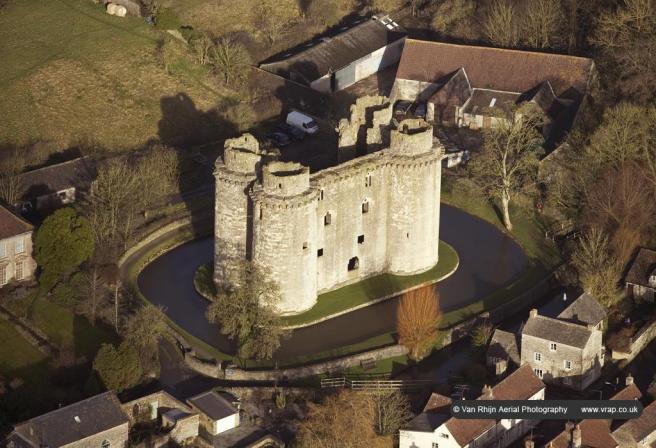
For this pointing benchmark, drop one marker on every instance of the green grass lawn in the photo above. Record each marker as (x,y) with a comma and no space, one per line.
(16,354)
(351,296)
(67,329)
(71,74)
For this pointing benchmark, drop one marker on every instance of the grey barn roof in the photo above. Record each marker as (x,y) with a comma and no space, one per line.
(585,309)
(334,53)
(504,345)
(557,330)
(77,173)
(213,405)
(58,428)
(641,268)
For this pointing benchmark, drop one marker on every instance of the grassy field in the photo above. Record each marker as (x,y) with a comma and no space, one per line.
(16,354)
(71,74)
(354,295)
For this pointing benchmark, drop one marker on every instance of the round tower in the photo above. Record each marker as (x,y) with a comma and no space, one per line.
(414,182)
(284,233)
(235,173)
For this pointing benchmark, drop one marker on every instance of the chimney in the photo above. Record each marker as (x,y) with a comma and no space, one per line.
(576,437)
(533,313)
(487,392)
(529,443)
(629,380)
(569,426)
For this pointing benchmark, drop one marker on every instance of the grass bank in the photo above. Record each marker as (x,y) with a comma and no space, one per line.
(359,294)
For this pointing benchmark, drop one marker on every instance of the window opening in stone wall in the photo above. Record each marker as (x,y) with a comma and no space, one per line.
(353,264)
(361,239)
(305,245)
(407,235)
(327,219)
(280,186)
(320,252)
(367,181)
(365,207)
(260,213)
(321,194)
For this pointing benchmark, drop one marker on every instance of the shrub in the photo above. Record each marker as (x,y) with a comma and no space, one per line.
(167,20)
(118,368)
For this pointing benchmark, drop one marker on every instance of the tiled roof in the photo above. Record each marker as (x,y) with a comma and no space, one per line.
(630,392)
(454,89)
(557,330)
(11,224)
(438,403)
(504,345)
(213,405)
(594,434)
(640,428)
(495,68)
(74,422)
(520,385)
(585,309)
(490,102)
(336,52)
(643,265)
(77,173)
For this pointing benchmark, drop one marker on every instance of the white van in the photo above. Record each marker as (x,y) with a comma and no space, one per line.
(302,122)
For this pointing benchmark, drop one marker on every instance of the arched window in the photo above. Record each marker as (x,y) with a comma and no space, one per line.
(105,444)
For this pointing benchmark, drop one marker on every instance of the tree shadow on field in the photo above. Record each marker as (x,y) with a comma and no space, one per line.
(184,128)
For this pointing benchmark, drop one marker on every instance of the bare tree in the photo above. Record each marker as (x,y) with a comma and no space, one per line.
(273,18)
(202,47)
(344,420)
(10,181)
(541,22)
(454,17)
(599,270)
(391,411)
(507,164)
(417,320)
(230,58)
(500,24)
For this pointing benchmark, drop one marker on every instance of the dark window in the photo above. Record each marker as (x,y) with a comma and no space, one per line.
(321,194)
(279,185)
(361,239)
(407,235)
(260,213)
(365,207)
(367,181)
(353,264)
(327,219)
(305,245)
(320,252)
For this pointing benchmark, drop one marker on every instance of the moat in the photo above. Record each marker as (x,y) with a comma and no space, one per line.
(489,259)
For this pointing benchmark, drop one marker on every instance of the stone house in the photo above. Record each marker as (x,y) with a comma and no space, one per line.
(640,279)
(566,349)
(45,189)
(98,421)
(639,432)
(333,63)
(217,414)
(16,262)
(447,76)
(434,427)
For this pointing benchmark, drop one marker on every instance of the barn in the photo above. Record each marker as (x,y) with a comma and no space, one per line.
(333,63)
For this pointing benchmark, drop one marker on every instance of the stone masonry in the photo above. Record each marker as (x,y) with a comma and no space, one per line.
(312,233)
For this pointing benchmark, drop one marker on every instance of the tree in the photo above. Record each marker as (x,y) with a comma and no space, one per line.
(598,269)
(626,38)
(63,242)
(508,162)
(202,46)
(230,58)
(482,334)
(272,17)
(417,320)
(500,24)
(344,420)
(391,412)
(541,22)
(159,173)
(145,328)
(118,368)
(246,312)
(323,13)
(10,181)
(454,17)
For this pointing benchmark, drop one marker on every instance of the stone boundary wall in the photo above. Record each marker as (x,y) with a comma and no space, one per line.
(31,334)
(639,341)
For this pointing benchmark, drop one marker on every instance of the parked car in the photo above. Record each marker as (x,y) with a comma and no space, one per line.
(294,132)
(279,138)
(303,122)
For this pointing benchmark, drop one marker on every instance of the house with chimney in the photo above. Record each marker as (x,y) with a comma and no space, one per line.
(640,279)
(435,427)
(16,262)
(476,87)
(565,350)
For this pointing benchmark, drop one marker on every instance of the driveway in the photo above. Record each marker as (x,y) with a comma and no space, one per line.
(489,259)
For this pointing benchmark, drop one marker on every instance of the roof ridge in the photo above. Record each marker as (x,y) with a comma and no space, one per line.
(54,411)
(563,321)
(66,162)
(503,50)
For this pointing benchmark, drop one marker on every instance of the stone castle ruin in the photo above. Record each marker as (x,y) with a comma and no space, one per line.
(372,214)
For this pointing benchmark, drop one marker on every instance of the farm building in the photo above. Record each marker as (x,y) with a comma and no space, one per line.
(334,63)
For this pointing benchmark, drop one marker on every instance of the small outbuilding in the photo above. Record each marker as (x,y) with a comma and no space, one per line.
(217,414)
(640,280)
(335,62)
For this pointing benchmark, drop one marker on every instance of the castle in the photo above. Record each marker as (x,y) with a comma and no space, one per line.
(373,214)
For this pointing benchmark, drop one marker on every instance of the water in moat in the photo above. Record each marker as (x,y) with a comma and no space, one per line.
(489,259)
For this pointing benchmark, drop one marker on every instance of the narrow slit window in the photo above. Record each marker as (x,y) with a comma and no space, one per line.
(361,239)
(305,245)
(365,207)
(327,219)
(320,252)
